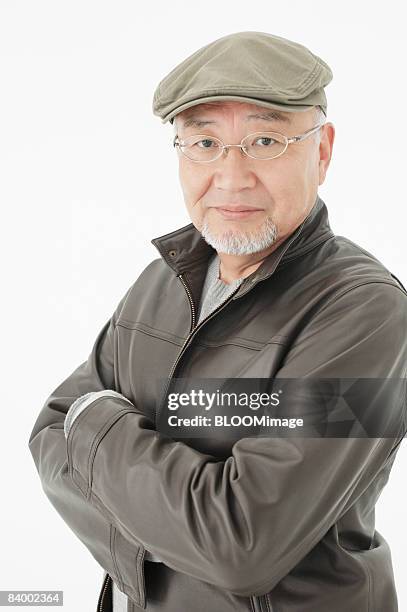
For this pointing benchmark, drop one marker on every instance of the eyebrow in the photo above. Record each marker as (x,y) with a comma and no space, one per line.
(195,121)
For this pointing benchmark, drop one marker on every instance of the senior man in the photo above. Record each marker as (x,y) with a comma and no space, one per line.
(258,286)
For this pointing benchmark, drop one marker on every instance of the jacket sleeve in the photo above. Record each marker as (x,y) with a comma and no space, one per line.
(47,444)
(79,405)
(243,523)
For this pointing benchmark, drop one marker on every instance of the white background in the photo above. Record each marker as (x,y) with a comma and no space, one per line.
(80,202)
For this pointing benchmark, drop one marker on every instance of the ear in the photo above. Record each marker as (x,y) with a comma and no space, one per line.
(325,149)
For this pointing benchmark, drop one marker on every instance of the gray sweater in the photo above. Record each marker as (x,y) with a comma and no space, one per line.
(214,292)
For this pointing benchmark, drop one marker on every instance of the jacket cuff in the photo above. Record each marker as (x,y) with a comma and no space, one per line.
(75,408)
(97,413)
(83,402)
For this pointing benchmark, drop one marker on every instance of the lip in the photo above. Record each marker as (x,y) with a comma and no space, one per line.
(237,212)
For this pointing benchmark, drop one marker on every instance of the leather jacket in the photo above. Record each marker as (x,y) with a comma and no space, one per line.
(254,524)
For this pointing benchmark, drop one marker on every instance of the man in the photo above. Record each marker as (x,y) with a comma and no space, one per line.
(256,287)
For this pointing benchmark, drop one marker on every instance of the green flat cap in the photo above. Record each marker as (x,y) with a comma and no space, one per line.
(254,67)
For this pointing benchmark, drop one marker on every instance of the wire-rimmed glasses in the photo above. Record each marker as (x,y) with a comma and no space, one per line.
(259,145)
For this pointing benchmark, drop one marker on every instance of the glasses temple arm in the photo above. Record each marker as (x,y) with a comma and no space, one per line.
(306,134)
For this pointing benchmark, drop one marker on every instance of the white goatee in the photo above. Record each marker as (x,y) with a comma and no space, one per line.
(240,242)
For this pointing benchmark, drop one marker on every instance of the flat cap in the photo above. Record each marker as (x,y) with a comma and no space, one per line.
(254,67)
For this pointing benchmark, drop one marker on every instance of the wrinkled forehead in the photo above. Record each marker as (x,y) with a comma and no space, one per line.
(222,109)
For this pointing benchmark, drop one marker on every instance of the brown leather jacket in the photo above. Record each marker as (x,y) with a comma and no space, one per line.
(261,524)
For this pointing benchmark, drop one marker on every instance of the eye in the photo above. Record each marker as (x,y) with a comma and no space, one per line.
(206,143)
(264,141)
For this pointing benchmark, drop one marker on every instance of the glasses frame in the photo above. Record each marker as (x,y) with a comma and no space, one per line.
(288,140)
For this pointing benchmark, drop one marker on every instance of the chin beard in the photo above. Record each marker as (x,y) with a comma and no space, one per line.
(240,242)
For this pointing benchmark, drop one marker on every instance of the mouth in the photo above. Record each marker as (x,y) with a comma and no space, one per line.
(237,212)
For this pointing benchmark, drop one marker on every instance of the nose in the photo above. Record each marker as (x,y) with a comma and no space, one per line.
(233,170)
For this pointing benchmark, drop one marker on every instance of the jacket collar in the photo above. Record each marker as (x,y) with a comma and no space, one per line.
(184,249)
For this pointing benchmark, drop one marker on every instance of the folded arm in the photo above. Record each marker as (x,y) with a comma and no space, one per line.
(47,444)
(244,523)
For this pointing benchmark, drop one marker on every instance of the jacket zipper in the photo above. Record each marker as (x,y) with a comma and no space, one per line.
(193,327)
(264,598)
(103,593)
(191,302)
(192,330)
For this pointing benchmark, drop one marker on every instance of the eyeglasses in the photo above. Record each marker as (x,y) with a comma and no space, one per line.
(259,145)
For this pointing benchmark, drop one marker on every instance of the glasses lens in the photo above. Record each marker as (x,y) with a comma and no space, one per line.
(201,148)
(264,145)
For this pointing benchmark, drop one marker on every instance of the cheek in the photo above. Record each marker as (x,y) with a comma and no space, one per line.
(287,178)
(286,185)
(195,182)
(277,180)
